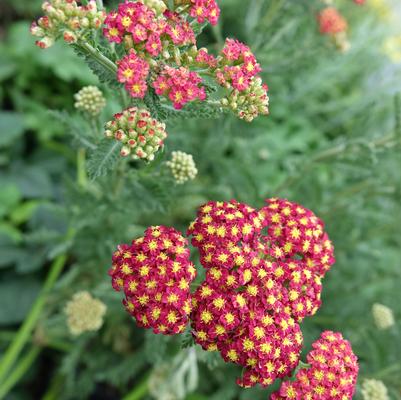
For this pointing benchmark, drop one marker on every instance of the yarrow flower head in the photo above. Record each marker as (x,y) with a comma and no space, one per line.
(205,10)
(66,19)
(331,22)
(133,72)
(155,274)
(182,167)
(373,389)
(90,100)
(180,85)
(237,66)
(141,135)
(332,373)
(255,327)
(241,325)
(84,313)
(383,316)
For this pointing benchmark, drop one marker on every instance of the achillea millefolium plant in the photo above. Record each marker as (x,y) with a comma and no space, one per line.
(170,123)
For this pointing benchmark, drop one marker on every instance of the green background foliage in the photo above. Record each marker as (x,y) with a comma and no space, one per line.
(331,143)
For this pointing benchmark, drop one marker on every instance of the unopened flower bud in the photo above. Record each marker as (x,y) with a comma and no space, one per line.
(383,316)
(373,389)
(90,100)
(142,136)
(182,167)
(84,313)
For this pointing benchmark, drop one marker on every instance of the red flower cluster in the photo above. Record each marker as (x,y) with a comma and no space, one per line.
(332,373)
(359,1)
(177,29)
(133,71)
(331,22)
(239,309)
(205,10)
(237,65)
(180,85)
(155,274)
(258,285)
(137,25)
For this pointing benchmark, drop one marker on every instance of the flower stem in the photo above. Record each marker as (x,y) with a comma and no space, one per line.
(139,391)
(82,179)
(24,333)
(19,371)
(98,56)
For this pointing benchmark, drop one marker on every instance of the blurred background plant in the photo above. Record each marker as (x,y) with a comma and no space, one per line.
(331,143)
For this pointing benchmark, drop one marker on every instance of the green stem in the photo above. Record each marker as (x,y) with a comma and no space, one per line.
(99,57)
(82,178)
(139,391)
(54,391)
(24,333)
(8,336)
(19,371)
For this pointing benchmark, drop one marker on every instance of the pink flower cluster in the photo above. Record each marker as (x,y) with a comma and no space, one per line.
(155,274)
(205,10)
(237,66)
(133,72)
(332,373)
(180,85)
(331,22)
(137,26)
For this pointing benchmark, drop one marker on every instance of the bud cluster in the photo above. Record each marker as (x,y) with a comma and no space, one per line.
(249,103)
(332,373)
(67,19)
(84,313)
(182,167)
(383,316)
(155,274)
(142,136)
(90,100)
(373,389)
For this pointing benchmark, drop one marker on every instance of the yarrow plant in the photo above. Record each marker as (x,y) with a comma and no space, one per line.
(153,54)
(263,277)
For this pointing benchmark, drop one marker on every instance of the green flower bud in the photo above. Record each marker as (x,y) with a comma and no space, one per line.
(90,100)
(182,167)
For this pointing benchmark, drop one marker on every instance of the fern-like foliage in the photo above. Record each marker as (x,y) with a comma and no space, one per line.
(200,110)
(76,127)
(99,64)
(103,158)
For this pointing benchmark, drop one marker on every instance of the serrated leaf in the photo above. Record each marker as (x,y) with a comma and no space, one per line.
(74,127)
(198,110)
(103,158)
(104,74)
